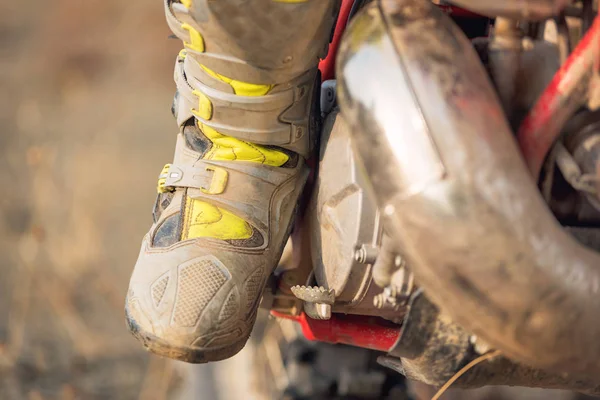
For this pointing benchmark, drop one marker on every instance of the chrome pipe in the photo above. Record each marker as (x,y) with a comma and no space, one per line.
(456,194)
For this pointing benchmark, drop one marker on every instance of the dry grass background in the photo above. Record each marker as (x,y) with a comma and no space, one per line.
(85,92)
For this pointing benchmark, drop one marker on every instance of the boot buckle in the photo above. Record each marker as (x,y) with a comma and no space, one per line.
(218,181)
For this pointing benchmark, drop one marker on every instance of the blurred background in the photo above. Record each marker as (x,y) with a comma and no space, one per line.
(85,94)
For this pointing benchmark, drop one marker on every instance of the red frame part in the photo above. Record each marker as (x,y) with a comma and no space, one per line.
(327,66)
(354,330)
(563,96)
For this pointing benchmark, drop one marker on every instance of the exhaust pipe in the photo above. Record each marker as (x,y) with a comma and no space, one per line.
(456,194)
(519,9)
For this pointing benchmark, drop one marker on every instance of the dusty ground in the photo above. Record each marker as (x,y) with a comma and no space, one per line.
(85,128)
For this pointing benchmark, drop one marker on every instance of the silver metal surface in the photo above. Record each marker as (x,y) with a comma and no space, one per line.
(344,218)
(586,155)
(345,226)
(387,263)
(317,300)
(504,58)
(523,9)
(366,254)
(456,193)
(391,273)
(314,294)
(571,171)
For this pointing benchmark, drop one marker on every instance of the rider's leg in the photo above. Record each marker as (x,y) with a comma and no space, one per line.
(245,103)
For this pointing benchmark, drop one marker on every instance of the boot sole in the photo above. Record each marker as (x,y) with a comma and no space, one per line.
(182,353)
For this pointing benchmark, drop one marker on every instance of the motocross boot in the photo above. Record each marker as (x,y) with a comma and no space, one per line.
(246,106)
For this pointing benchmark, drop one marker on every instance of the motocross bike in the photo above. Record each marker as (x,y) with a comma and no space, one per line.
(455,205)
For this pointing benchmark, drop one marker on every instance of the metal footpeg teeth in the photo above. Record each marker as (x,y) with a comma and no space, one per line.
(317,300)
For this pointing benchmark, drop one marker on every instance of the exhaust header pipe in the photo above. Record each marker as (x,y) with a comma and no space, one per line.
(456,194)
(519,9)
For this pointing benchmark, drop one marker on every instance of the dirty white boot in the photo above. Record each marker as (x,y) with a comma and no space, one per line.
(247,85)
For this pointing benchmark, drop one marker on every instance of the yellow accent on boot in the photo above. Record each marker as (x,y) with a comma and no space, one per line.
(196,40)
(240,88)
(203,219)
(162,180)
(205,108)
(182,54)
(218,182)
(186,3)
(227,148)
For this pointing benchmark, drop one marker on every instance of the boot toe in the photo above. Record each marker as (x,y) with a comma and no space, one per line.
(191,311)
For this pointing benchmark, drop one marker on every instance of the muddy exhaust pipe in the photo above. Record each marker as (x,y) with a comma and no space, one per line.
(456,193)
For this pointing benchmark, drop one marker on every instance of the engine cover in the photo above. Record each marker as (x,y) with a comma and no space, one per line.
(345,224)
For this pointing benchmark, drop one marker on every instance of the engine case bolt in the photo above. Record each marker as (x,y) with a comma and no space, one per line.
(366,254)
